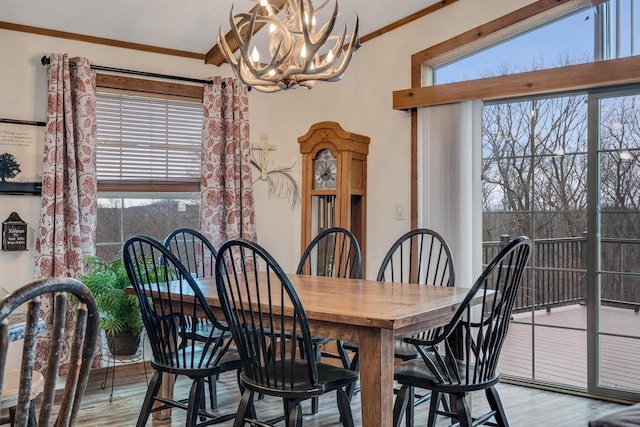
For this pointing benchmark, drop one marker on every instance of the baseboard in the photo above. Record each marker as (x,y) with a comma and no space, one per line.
(122,370)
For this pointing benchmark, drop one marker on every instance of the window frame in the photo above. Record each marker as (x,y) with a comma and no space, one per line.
(150,88)
(141,189)
(609,73)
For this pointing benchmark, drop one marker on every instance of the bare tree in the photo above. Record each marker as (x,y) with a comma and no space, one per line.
(534,168)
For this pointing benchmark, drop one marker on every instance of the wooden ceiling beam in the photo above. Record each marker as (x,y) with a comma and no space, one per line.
(612,72)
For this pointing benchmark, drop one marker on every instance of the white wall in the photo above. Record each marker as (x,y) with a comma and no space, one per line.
(361,103)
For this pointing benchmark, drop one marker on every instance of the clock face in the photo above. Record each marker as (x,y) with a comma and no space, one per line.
(324,170)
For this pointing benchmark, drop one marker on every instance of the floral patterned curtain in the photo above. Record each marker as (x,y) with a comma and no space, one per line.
(226,199)
(68,215)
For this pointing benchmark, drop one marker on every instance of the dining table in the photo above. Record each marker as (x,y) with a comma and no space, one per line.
(368,312)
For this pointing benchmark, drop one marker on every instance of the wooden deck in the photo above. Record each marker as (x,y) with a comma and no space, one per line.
(561,354)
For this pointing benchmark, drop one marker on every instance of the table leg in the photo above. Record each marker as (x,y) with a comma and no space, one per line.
(166,390)
(376,376)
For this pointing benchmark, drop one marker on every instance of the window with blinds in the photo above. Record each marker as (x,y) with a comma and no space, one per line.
(147,143)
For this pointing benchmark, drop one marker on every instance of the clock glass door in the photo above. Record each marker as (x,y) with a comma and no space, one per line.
(323,210)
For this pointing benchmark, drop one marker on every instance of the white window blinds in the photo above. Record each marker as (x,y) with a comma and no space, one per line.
(147,138)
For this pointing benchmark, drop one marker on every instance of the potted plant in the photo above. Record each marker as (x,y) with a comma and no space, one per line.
(120,316)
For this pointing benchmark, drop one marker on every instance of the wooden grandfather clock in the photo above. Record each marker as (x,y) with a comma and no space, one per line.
(334,181)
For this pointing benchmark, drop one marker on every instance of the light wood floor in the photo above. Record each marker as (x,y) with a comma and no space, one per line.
(525,407)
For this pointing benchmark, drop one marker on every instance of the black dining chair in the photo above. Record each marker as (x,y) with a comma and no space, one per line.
(198,255)
(267,321)
(468,346)
(169,297)
(31,396)
(194,251)
(334,252)
(421,256)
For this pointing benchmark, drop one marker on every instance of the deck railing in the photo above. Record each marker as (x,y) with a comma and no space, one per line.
(556,275)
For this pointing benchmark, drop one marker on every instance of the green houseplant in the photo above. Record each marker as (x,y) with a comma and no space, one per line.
(120,316)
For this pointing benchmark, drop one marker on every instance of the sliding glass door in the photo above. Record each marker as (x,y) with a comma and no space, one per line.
(614,298)
(565,171)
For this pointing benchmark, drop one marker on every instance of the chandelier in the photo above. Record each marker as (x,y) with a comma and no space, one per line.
(300,53)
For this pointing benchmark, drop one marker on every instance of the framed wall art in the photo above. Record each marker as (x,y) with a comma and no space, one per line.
(21,151)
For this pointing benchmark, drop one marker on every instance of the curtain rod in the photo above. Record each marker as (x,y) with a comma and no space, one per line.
(45,61)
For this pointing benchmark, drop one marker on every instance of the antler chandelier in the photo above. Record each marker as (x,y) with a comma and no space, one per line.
(299,52)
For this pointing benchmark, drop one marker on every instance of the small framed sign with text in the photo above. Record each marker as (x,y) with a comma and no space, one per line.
(14,233)
(21,155)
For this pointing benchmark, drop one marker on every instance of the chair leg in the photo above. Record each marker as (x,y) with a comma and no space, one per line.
(344,407)
(152,391)
(294,417)
(496,404)
(411,397)
(354,366)
(196,399)
(400,405)
(244,409)
(316,400)
(213,392)
(433,408)
(462,411)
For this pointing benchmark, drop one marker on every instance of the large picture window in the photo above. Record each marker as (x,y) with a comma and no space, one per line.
(148,166)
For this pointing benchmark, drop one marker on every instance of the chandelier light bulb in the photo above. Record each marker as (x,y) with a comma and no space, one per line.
(263,3)
(625,155)
(255,55)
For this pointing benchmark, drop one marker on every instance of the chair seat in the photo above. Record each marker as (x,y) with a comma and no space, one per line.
(329,378)
(11,385)
(627,417)
(415,373)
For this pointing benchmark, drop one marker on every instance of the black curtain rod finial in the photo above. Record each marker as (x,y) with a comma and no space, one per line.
(44,60)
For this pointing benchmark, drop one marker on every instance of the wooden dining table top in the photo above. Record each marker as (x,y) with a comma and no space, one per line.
(360,302)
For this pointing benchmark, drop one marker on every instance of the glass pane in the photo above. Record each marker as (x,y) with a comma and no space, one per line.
(506,129)
(561,354)
(617,318)
(620,255)
(619,363)
(146,216)
(562,224)
(620,291)
(623,33)
(515,357)
(185,213)
(109,220)
(109,252)
(544,47)
(497,226)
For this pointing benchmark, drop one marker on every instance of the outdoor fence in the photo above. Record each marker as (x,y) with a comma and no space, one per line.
(556,275)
